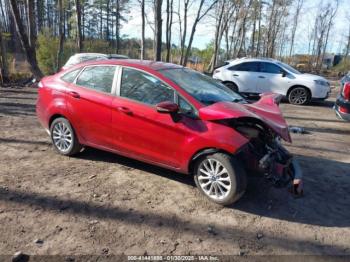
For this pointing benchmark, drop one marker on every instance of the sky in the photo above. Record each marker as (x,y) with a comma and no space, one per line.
(205,29)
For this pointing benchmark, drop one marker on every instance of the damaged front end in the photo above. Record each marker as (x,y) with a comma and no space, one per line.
(263,124)
(266,154)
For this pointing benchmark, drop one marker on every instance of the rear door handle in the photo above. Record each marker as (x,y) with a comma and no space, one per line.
(261,76)
(124,110)
(74,94)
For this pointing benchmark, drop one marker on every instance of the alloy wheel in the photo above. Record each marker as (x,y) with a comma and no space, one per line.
(298,96)
(214,179)
(62,137)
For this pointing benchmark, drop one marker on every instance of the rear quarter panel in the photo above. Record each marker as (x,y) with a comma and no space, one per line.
(51,100)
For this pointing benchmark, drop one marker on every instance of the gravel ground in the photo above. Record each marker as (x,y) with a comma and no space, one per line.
(101,203)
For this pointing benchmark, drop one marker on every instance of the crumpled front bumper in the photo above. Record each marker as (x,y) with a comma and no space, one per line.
(280,168)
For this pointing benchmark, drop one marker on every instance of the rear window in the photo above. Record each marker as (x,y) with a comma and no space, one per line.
(70,76)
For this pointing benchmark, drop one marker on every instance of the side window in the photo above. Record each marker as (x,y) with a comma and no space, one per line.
(99,78)
(144,88)
(70,76)
(185,107)
(270,68)
(247,66)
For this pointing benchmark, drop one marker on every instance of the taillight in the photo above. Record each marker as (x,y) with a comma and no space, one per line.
(343,110)
(346,91)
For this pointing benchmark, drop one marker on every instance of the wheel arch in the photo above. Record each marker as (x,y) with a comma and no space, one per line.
(230,81)
(295,86)
(55,116)
(201,153)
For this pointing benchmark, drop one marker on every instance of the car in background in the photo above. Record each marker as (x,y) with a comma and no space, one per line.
(83,57)
(170,116)
(345,79)
(262,75)
(342,104)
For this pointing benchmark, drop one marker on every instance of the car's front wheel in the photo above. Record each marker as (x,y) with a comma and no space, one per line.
(299,96)
(63,137)
(220,178)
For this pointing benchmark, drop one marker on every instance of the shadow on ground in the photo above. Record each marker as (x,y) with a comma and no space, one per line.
(323,203)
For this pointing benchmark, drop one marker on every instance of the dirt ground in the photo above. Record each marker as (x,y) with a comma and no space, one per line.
(101,203)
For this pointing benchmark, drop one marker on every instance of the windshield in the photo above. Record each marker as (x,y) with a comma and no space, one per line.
(289,68)
(203,88)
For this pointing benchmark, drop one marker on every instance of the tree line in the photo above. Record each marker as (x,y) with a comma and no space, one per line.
(237,27)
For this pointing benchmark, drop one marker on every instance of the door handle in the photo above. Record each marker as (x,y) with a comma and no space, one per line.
(74,94)
(124,110)
(235,75)
(261,76)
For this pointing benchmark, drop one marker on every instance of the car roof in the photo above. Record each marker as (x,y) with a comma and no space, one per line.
(89,54)
(252,59)
(141,64)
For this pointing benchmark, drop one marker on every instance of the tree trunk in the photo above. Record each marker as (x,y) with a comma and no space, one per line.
(158,29)
(169,23)
(194,26)
(143,29)
(184,33)
(78,20)
(117,26)
(259,30)
(61,35)
(295,24)
(28,49)
(107,21)
(3,60)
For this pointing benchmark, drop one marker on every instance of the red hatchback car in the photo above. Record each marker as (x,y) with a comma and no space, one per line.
(170,116)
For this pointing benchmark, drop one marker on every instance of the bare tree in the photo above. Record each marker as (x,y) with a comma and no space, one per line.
(184,30)
(3,62)
(61,35)
(78,19)
(169,23)
(323,24)
(347,48)
(199,17)
(143,24)
(295,24)
(158,29)
(27,45)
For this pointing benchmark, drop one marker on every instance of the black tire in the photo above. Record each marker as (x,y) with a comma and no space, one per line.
(232,86)
(74,147)
(235,173)
(299,95)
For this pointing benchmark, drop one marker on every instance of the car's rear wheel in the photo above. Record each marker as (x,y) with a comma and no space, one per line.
(220,178)
(299,96)
(231,85)
(63,137)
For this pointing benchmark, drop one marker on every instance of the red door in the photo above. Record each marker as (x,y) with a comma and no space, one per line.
(139,130)
(89,102)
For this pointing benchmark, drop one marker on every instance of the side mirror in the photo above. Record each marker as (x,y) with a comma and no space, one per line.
(284,73)
(167,107)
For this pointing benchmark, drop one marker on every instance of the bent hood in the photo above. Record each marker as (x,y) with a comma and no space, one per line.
(266,109)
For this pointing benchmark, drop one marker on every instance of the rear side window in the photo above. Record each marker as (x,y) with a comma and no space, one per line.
(270,68)
(70,76)
(144,88)
(247,66)
(99,78)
